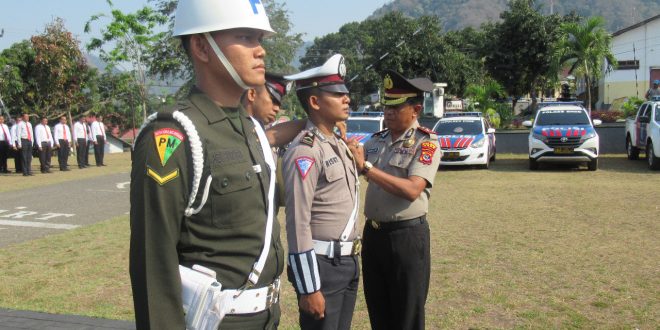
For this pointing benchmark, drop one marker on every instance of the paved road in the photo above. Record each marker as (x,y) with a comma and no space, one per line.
(33,213)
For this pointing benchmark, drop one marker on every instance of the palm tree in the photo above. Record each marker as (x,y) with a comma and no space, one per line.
(585,47)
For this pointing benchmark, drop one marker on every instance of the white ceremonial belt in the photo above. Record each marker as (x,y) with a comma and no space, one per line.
(328,248)
(253,300)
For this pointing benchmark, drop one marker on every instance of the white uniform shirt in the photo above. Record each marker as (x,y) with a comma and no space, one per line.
(5,135)
(43,134)
(90,136)
(97,129)
(79,131)
(61,131)
(14,129)
(24,131)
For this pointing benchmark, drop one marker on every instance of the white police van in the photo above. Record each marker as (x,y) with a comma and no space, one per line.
(465,138)
(563,132)
(364,124)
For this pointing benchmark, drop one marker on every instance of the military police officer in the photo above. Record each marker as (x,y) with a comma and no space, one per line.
(201,183)
(321,203)
(401,163)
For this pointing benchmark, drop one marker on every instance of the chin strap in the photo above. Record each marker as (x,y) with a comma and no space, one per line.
(225,61)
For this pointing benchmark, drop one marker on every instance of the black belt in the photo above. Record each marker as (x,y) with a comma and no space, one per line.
(396,224)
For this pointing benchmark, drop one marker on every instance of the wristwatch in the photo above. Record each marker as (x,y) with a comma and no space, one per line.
(367,166)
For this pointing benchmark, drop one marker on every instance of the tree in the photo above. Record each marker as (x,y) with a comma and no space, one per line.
(520,48)
(17,82)
(60,70)
(585,48)
(134,38)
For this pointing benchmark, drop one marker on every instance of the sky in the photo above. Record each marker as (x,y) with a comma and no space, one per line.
(21,19)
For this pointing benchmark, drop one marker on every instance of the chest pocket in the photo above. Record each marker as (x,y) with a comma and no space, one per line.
(401,160)
(334,172)
(232,195)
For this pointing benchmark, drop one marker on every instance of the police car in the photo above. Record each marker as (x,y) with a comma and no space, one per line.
(563,132)
(364,124)
(466,138)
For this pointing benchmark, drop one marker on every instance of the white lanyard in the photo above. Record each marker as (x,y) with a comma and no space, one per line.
(351,221)
(253,278)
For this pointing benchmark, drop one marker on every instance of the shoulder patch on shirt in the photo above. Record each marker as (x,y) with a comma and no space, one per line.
(167,141)
(428,149)
(161,180)
(304,164)
(425,130)
(307,139)
(382,133)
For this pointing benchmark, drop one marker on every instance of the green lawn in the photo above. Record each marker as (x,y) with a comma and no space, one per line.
(556,248)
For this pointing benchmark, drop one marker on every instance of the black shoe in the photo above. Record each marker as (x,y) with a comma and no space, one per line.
(25,174)
(65,169)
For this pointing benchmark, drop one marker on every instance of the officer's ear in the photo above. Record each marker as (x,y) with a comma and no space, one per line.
(199,48)
(314,102)
(417,109)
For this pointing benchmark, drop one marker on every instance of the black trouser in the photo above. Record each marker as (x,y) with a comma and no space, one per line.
(26,156)
(45,154)
(99,149)
(4,154)
(339,284)
(63,154)
(87,152)
(81,150)
(396,269)
(18,160)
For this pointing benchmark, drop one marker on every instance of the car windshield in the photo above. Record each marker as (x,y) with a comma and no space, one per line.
(362,126)
(562,117)
(463,127)
(657,114)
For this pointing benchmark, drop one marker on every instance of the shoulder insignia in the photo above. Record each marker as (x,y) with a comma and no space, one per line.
(425,130)
(167,141)
(308,139)
(428,149)
(304,164)
(382,133)
(161,180)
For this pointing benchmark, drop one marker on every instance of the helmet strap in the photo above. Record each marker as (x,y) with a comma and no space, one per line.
(225,61)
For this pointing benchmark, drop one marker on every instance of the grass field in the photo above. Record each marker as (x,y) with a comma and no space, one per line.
(556,248)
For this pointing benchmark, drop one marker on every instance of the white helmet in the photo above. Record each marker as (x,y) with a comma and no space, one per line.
(199,16)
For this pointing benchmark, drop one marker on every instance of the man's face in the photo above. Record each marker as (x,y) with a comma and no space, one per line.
(44,121)
(263,106)
(400,117)
(63,120)
(243,49)
(333,106)
(2,119)
(26,117)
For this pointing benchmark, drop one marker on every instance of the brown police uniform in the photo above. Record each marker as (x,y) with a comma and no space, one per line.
(320,180)
(396,240)
(225,235)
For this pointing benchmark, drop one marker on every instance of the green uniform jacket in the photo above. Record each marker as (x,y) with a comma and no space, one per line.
(226,236)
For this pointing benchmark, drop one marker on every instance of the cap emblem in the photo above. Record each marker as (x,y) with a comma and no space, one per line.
(387,82)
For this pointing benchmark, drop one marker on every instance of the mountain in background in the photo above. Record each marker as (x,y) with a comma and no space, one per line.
(459,14)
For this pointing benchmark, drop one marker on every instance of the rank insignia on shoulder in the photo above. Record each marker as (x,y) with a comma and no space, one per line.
(307,139)
(304,165)
(425,130)
(161,180)
(167,141)
(382,133)
(428,149)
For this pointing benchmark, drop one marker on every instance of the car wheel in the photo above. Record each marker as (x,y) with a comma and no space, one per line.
(633,153)
(593,164)
(533,164)
(654,162)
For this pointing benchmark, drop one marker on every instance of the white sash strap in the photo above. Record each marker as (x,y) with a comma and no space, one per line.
(253,278)
(351,221)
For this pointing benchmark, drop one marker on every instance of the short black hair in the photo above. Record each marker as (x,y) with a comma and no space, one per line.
(305,94)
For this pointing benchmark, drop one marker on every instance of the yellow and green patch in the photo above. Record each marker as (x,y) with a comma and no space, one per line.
(167,141)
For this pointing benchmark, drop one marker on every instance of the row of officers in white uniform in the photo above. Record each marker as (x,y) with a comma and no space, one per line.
(23,141)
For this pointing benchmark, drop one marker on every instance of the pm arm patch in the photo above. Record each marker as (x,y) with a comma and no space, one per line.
(167,141)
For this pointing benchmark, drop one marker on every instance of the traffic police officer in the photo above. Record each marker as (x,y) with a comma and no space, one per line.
(208,142)
(320,179)
(401,164)
(264,102)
